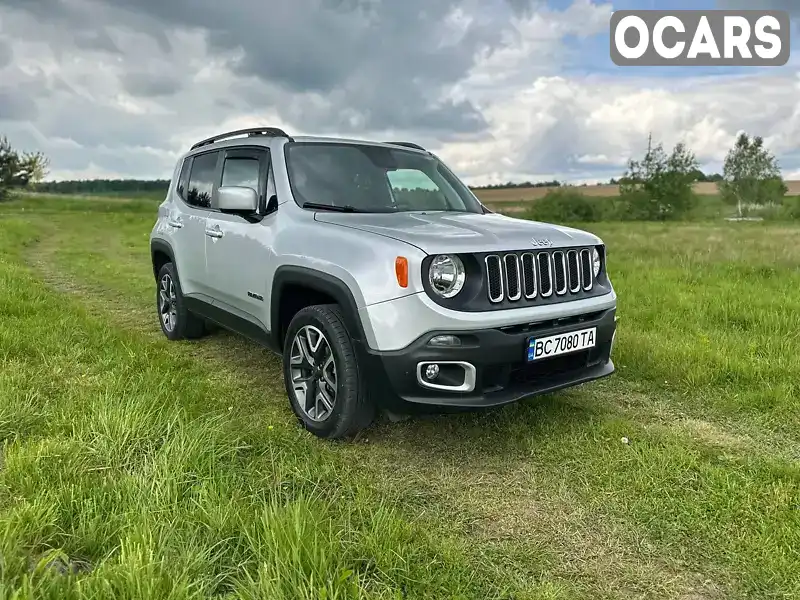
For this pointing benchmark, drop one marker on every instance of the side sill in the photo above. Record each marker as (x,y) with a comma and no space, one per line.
(231,319)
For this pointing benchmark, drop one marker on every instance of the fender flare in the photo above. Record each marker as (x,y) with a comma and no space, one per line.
(157,245)
(321,282)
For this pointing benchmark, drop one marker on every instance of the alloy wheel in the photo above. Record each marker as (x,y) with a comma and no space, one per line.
(167,303)
(313,373)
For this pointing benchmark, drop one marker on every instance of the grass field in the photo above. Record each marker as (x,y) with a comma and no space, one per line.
(150,469)
(516,195)
(506,200)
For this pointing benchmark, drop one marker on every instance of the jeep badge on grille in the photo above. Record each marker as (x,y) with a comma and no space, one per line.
(541,243)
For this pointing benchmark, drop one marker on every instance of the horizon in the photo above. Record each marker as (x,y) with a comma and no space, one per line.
(503,91)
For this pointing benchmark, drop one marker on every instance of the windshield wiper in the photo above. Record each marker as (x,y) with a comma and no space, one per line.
(334,208)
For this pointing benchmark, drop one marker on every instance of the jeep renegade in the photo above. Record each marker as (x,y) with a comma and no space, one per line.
(379,277)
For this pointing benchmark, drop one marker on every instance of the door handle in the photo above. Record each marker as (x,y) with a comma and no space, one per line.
(214,233)
(175,223)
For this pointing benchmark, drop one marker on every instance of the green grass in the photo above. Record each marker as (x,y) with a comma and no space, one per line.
(175,470)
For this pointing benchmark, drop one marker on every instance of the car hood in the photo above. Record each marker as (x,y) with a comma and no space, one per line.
(440,232)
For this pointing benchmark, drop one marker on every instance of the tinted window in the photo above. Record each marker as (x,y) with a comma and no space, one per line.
(374,179)
(182,178)
(201,180)
(241,171)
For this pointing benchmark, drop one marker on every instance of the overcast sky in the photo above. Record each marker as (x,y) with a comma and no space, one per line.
(501,89)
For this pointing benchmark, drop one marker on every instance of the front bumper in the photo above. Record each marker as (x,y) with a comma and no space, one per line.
(496,372)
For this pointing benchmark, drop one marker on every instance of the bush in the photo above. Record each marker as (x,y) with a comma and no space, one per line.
(788,209)
(637,205)
(768,212)
(660,186)
(569,206)
(791,207)
(566,206)
(642,205)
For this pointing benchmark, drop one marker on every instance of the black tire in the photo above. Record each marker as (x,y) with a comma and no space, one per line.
(353,409)
(186,324)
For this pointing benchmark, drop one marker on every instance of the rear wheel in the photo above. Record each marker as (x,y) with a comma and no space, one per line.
(177,322)
(326,389)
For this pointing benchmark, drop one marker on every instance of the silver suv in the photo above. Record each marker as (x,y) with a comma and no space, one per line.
(378,275)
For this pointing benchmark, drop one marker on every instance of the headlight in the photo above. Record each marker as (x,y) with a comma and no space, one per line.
(596,262)
(447,275)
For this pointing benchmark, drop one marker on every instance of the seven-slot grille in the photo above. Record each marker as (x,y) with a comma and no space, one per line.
(529,275)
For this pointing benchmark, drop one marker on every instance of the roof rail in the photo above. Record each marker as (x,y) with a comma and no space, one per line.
(408,145)
(251,132)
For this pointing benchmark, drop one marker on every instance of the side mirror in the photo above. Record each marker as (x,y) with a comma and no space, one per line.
(237,199)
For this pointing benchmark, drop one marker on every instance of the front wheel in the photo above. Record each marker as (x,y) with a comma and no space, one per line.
(177,322)
(325,386)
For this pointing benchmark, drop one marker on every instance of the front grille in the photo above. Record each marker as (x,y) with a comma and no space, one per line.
(513,283)
(573,272)
(520,276)
(529,275)
(545,274)
(548,369)
(587,274)
(495,278)
(559,272)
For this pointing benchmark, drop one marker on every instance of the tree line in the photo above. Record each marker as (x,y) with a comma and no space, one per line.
(659,184)
(699,175)
(103,186)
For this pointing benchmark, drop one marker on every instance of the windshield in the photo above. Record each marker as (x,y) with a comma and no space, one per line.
(367,178)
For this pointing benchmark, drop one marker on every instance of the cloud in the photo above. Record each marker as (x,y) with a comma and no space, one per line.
(150,84)
(584,128)
(6,53)
(96,40)
(345,67)
(384,62)
(15,108)
(502,89)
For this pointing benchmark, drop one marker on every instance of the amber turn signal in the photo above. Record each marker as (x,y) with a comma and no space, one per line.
(401,271)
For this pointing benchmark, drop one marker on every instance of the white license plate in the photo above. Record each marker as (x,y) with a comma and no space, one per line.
(563,343)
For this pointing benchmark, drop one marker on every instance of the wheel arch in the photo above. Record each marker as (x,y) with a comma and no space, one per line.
(321,286)
(160,253)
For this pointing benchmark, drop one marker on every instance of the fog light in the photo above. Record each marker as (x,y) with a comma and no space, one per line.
(431,372)
(445,340)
